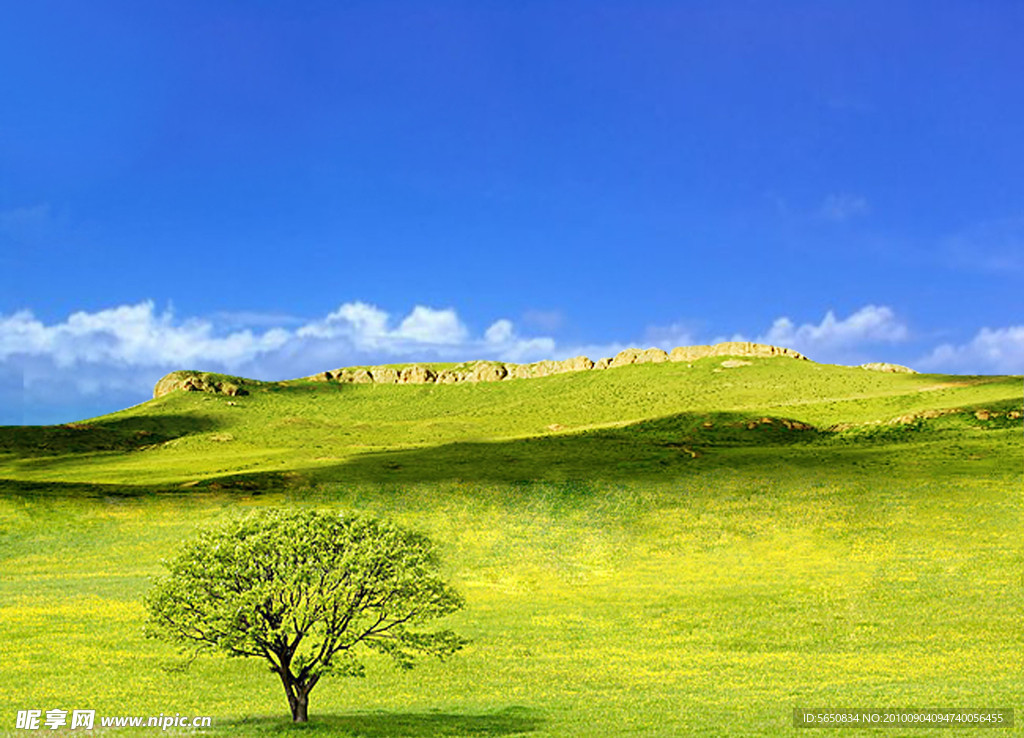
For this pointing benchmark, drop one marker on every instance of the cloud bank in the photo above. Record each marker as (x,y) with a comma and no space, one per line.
(836,340)
(119,353)
(991,351)
(96,362)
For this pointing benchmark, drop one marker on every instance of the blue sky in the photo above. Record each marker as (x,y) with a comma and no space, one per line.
(274,189)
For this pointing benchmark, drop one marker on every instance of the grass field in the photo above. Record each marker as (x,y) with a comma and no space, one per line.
(641,553)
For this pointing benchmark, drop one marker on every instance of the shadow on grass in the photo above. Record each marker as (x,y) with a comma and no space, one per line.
(511,721)
(118,434)
(662,448)
(50,445)
(678,447)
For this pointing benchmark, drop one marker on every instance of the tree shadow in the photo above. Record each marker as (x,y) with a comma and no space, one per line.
(507,722)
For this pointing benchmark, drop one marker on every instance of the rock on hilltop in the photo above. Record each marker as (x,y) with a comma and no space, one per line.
(494,371)
(189,381)
(882,366)
(480,371)
(733,348)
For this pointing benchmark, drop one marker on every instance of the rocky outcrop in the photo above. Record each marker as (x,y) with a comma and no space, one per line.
(689,353)
(543,369)
(577,364)
(882,366)
(448,376)
(639,356)
(384,375)
(416,374)
(548,367)
(484,371)
(190,381)
(493,371)
(733,348)
(520,371)
(361,376)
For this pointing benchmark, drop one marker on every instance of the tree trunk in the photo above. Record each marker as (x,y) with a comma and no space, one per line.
(299,714)
(298,696)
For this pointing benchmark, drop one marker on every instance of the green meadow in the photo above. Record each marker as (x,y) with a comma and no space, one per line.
(652,550)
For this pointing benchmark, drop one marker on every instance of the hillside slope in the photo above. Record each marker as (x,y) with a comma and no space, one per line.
(657,418)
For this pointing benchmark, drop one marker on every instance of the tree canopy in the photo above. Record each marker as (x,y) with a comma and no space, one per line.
(306,591)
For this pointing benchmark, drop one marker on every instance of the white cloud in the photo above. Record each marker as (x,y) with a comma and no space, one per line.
(501,331)
(991,351)
(870,323)
(838,340)
(433,326)
(367,328)
(843,206)
(362,323)
(502,342)
(130,335)
(127,348)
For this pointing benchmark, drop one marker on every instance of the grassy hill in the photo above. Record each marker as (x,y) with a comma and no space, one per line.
(651,550)
(644,420)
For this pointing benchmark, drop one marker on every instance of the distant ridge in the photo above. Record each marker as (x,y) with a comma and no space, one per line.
(479,371)
(495,371)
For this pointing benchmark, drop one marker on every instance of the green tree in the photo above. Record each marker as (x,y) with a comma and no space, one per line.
(304,589)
